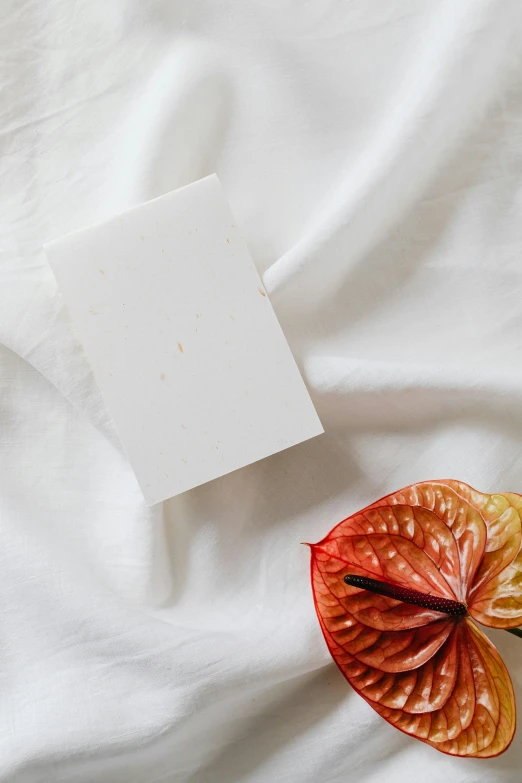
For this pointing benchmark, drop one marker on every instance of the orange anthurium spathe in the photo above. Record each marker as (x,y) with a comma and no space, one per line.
(397,588)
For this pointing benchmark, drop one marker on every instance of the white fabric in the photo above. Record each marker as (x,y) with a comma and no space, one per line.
(372,154)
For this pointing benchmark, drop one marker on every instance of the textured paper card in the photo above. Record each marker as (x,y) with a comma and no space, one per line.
(183,341)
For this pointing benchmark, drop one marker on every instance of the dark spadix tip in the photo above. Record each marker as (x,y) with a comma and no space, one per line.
(408,596)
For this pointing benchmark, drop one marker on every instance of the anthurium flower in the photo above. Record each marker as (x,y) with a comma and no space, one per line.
(397,588)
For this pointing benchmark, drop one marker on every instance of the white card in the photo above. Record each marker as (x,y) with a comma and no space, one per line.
(182,339)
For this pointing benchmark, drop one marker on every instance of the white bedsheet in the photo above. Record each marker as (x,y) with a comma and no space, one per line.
(372,153)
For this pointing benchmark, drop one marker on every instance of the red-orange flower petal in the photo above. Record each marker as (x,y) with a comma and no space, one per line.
(458,514)
(498,603)
(388,650)
(432,675)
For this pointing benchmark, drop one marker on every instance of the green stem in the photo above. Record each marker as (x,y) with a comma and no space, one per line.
(515,631)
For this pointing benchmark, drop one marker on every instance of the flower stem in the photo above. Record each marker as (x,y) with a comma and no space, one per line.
(515,631)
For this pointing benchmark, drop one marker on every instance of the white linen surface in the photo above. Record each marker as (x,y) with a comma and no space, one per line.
(372,154)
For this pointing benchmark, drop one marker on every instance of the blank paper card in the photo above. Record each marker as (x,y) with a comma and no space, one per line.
(183,341)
